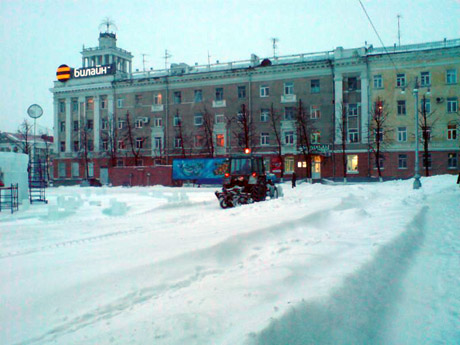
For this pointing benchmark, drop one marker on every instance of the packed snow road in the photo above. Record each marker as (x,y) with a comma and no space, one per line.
(325,264)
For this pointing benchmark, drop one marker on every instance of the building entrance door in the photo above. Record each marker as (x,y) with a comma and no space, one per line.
(104,176)
(316,167)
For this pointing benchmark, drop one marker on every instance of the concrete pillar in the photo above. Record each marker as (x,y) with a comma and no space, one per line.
(130,68)
(96,123)
(111,112)
(338,82)
(68,126)
(56,125)
(364,107)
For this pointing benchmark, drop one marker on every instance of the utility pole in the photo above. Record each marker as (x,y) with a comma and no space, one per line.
(274,40)
(399,30)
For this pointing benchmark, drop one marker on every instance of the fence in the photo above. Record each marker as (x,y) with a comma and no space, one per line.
(9,198)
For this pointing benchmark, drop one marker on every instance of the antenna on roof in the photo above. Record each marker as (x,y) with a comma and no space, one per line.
(166,57)
(274,40)
(399,30)
(209,59)
(143,61)
(107,23)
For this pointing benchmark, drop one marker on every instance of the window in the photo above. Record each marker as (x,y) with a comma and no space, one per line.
(105,145)
(139,143)
(138,123)
(380,162)
(451,132)
(451,76)
(220,118)
(89,124)
(289,113)
(91,169)
(138,100)
(452,162)
(426,133)
(75,169)
(264,114)
(157,122)
(288,164)
(75,126)
(177,142)
(199,140)
(62,107)
(378,134)
(402,161)
(220,140)
(352,84)
(103,103)
(176,121)
(426,160)
(315,112)
(198,119)
(289,88)
(104,124)
(401,108)
(378,81)
(314,86)
(177,97)
(120,102)
(400,80)
(62,146)
(121,124)
(158,143)
(452,105)
(352,110)
(157,99)
(62,126)
(241,92)
(219,94)
(352,163)
(353,135)
(74,105)
(264,139)
(76,146)
(62,170)
(427,102)
(90,145)
(89,104)
(316,137)
(289,138)
(425,79)
(402,134)
(121,145)
(264,91)
(198,96)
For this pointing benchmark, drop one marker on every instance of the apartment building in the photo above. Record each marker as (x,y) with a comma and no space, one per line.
(109,115)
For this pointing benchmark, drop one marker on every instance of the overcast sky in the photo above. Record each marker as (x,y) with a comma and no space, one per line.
(38,36)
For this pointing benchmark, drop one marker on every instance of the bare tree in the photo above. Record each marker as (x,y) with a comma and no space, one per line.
(47,140)
(110,135)
(135,147)
(180,135)
(379,134)
(244,132)
(305,130)
(25,136)
(426,123)
(343,140)
(275,123)
(208,128)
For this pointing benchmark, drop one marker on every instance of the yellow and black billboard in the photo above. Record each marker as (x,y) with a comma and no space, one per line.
(64,72)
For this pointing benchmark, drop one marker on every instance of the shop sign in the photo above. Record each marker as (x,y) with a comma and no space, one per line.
(65,73)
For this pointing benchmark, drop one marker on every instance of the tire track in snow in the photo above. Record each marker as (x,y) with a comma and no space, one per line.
(355,313)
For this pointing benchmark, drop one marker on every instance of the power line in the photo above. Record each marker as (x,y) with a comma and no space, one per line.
(376,32)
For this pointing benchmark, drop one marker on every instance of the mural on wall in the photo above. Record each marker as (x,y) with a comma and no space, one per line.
(201,170)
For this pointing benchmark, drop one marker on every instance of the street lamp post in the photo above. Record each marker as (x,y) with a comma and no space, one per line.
(417,184)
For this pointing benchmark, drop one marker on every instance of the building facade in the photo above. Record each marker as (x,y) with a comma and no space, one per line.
(317,107)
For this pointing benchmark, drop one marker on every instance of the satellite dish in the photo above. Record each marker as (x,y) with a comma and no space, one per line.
(35,111)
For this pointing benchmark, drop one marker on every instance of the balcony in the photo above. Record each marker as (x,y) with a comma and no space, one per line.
(157,107)
(288,98)
(219,104)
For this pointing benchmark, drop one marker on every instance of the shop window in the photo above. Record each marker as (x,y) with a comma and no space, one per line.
(352,163)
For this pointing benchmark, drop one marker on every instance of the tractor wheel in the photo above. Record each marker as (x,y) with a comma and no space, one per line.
(223,202)
(259,192)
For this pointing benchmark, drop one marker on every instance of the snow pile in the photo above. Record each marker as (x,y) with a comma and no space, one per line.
(336,264)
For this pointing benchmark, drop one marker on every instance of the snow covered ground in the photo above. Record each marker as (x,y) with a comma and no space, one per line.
(325,264)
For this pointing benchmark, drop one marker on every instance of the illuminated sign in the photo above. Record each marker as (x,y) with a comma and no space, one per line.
(64,72)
